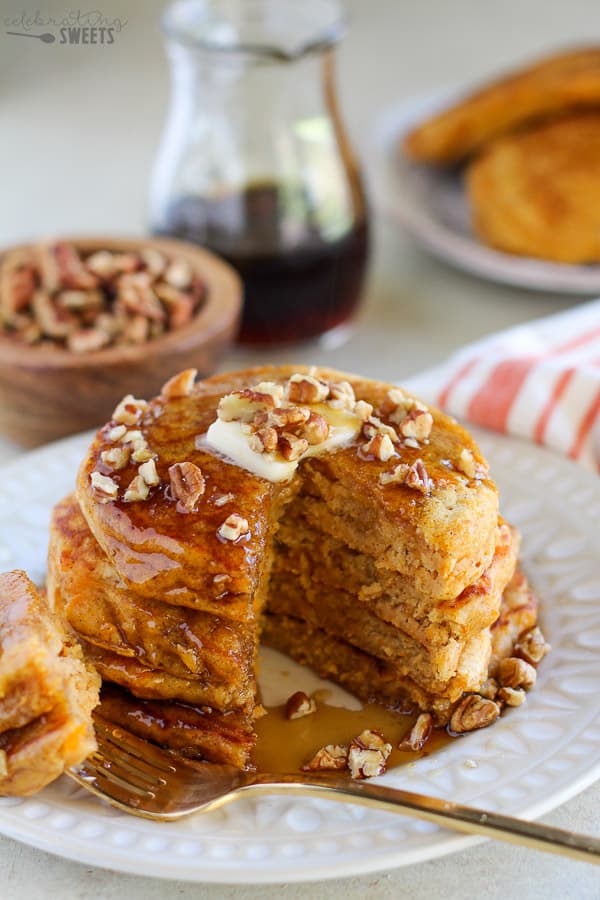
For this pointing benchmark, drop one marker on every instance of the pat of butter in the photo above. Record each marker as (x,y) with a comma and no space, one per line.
(229,439)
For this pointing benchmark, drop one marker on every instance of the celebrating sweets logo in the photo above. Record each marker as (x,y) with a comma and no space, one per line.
(74,27)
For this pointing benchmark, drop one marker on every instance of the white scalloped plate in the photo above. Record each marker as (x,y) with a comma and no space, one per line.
(431,205)
(530,761)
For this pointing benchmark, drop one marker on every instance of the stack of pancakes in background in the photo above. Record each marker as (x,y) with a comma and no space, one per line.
(530,144)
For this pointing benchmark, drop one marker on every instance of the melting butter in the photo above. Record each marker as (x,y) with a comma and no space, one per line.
(229,439)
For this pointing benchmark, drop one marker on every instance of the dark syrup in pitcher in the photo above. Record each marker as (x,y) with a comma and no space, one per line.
(297,284)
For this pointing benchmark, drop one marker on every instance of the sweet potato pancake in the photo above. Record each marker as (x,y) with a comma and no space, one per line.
(537,192)
(318,509)
(47,693)
(557,84)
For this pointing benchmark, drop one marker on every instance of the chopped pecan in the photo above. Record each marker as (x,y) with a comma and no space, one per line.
(136,330)
(368,754)
(397,405)
(306,389)
(489,688)
(242,406)
(468,465)
(417,424)
(116,458)
(511,696)
(104,488)
(87,340)
(316,429)
(233,527)
(62,267)
(394,399)
(363,410)
(179,274)
(129,411)
(149,473)
(299,705)
(31,332)
(141,452)
(516,673)
(101,264)
(179,385)
(112,323)
(414,476)
(133,436)
(473,712)
(187,484)
(80,300)
(276,391)
(116,433)
(137,490)
(396,476)
(136,293)
(419,733)
(153,260)
(180,306)
(223,499)
(182,312)
(331,756)
(126,263)
(17,284)
(341,395)
(374,426)
(380,446)
(264,440)
(288,417)
(532,646)
(54,321)
(292,447)
(417,477)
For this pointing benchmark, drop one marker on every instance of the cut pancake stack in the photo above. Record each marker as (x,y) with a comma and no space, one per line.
(190,671)
(380,561)
(47,693)
(370,630)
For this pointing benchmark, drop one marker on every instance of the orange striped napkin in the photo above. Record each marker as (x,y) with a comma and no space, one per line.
(539,381)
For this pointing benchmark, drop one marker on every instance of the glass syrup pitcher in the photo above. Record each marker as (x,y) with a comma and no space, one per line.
(255,163)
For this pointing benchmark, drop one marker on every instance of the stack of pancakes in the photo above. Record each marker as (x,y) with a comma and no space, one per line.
(46,692)
(387,588)
(531,145)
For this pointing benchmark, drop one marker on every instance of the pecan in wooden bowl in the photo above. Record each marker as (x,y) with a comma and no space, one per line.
(83,320)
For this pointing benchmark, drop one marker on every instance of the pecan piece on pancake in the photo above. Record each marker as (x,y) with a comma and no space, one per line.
(233,527)
(187,484)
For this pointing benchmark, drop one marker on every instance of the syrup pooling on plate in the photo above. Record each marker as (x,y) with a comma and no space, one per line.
(285,745)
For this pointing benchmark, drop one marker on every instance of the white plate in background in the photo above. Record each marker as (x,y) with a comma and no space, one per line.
(431,205)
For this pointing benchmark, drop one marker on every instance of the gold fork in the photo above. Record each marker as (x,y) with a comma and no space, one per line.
(144,780)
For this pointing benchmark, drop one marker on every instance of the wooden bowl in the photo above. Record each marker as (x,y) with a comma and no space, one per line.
(49,392)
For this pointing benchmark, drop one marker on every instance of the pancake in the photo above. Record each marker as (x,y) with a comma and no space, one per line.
(557,84)
(339,517)
(537,192)
(47,692)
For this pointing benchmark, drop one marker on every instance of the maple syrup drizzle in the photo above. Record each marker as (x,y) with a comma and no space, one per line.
(285,745)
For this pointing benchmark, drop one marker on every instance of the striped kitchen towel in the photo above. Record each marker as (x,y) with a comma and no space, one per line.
(540,380)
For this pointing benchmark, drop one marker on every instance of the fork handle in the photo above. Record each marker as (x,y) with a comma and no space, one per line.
(466,819)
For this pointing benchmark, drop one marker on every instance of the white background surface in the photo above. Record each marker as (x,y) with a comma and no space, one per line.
(78,131)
